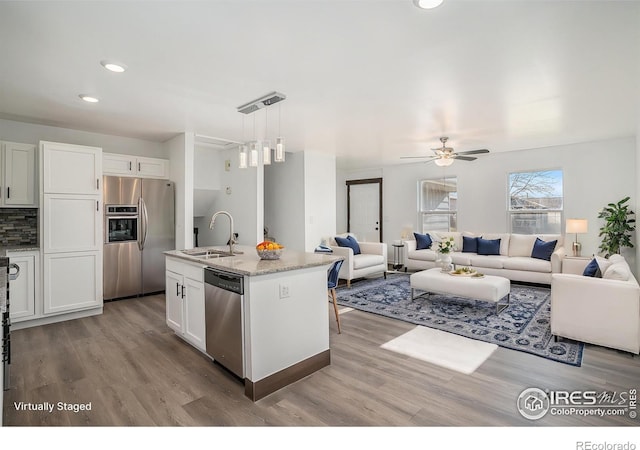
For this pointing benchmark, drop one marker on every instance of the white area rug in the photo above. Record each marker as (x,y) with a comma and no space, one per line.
(441,348)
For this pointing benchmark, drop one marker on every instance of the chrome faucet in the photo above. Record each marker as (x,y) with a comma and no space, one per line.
(231,238)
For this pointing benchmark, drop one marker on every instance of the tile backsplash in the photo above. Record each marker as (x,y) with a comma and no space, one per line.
(18,226)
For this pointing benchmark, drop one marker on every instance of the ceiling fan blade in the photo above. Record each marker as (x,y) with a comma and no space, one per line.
(474,152)
(464,158)
(419,157)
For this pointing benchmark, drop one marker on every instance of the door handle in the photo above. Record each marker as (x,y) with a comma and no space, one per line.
(182,290)
(130,166)
(8,192)
(177,288)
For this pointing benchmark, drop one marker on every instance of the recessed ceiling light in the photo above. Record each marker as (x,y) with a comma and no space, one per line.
(427,4)
(89,98)
(113,66)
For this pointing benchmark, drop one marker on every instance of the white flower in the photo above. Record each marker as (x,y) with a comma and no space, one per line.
(446,245)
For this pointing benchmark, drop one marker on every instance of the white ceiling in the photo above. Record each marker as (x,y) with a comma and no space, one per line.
(366,80)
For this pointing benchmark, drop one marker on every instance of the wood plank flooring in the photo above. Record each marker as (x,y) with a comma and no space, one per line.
(135,372)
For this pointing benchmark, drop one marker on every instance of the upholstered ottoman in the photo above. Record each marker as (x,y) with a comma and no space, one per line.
(488,288)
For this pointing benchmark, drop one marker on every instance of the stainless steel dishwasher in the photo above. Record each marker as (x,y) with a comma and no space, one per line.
(223,315)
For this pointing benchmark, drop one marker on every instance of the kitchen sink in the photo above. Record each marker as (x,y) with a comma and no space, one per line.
(204,253)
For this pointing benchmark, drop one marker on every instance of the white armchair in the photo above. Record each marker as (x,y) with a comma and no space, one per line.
(371,260)
(602,311)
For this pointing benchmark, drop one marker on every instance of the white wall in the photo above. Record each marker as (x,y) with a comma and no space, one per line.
(181,154)
(32,134)
(595,173)
(245,203)
(319,198)
(207,166)
(284,202)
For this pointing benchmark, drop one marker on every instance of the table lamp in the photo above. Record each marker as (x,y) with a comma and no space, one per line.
(576,226)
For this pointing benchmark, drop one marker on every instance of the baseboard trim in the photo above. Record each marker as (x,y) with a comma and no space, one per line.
(46,320)
(261,388)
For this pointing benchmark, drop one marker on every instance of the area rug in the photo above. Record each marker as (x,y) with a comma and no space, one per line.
(523,326)
(441,348)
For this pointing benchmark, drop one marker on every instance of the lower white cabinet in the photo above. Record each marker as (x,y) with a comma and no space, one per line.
(23,289)
(185,301)
(72,281)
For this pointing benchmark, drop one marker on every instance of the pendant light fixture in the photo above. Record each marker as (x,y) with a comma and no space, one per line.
(279,156)
(256,152)
(266,145)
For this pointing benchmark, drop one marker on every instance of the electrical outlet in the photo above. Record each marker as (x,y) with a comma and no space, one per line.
(227,165)
(284,291)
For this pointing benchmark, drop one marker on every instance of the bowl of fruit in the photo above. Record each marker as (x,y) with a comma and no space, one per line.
(269,250)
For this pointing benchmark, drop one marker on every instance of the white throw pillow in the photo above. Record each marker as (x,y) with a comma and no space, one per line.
(616,258)
(603,265)
(521,244)
(617,271)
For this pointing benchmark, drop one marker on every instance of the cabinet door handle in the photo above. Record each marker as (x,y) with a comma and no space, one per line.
(8,192)
(177,288)
(138,167)
(98,183)
(130,163)
(182,291)
(97,205)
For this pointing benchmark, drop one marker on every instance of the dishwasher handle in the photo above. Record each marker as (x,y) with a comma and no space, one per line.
(224,280)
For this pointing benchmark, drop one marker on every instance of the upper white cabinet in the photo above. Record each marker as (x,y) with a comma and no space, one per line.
(18,175)
(134,166)
(71,169)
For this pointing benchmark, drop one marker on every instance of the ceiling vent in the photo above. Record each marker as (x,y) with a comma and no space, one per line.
(262,102)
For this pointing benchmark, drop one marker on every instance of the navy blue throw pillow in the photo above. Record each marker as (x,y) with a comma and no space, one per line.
(591,269)
(488,246)
(543,250)
(350,242)
(469,244)
(423,241)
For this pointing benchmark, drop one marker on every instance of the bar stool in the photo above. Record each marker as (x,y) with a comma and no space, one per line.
(332,282)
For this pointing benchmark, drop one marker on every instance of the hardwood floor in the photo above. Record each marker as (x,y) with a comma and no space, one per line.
(134,371)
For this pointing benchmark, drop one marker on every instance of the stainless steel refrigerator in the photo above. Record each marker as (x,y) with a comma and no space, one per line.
(138,227)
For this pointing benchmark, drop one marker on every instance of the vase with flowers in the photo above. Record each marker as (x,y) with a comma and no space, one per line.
(445,247)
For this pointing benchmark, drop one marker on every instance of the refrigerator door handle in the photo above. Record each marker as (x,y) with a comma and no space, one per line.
(145,223)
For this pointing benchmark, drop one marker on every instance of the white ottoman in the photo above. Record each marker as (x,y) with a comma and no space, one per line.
(488,288)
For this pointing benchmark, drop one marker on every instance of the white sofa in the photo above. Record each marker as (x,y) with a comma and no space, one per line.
(372,259)
(602,311)
(514,261)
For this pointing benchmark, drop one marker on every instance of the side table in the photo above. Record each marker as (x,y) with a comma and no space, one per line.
(398,255)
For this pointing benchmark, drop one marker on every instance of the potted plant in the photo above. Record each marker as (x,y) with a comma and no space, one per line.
(616,231)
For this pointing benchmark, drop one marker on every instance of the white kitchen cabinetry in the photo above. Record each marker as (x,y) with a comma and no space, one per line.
(71,226)
(71,169)
(72,281)
(135,166)
(185,301)
(26,286)
(18,175)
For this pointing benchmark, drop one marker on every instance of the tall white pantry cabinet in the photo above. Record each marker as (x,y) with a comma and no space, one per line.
(71,226)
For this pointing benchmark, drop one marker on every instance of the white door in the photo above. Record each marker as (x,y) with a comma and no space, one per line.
(364,211)
(173,298)
(71,169)
(72,223)
(194,321)
(114,164)
(20,174)
(72,281)
(22,289)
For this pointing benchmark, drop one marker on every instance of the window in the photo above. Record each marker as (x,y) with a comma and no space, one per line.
(439,204)
(535,202)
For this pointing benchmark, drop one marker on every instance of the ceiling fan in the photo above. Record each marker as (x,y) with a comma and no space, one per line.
(445,156)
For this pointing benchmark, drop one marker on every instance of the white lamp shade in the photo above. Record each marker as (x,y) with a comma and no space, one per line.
(253,154)
(577,226)
(242,157)
(266,153)
(443,162)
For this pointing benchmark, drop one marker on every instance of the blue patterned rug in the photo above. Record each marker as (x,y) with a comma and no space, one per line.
(523,326)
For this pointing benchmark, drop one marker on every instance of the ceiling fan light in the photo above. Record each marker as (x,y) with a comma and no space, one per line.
(443,162)
(427,4)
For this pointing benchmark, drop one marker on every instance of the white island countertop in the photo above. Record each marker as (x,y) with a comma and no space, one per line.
(249,263)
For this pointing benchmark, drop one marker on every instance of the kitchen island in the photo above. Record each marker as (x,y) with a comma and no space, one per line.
(284,314)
